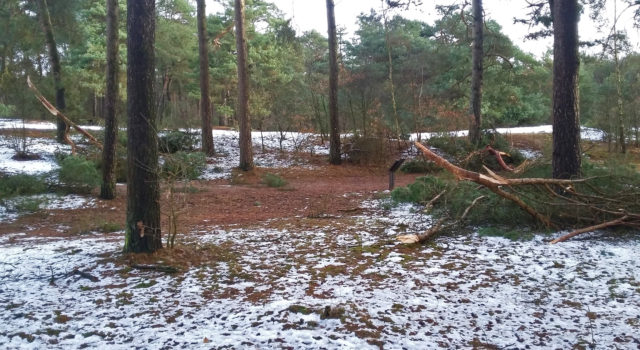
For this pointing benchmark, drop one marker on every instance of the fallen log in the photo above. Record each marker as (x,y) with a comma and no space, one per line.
(53,110)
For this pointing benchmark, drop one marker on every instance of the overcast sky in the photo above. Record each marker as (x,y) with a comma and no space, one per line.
(311,14)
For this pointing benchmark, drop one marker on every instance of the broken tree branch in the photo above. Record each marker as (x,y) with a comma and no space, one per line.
(490,183)
(611,223)
(161,268)
(429,205)
(86,275)
(411,239)
(216,41)
(473,204)
(53,110)
(498,156)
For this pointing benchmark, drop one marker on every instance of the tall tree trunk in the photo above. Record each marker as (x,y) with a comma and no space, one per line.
(205,104)
(334,119)
(246,152)
(143,192)
(108,188)
(476,73)
(619,105)
(45,20)
(566,114)
(392,87)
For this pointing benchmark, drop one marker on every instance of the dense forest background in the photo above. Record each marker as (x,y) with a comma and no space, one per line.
(430,65)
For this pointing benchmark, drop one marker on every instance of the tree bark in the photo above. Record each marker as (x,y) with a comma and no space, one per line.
(108,188)
(619,104)
(476,73)
(566,114)
(205,104)
(54,58)
(334,118)
(143,193)
(246,152)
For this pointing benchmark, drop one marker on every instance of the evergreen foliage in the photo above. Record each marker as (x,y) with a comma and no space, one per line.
(78,171)
(183,165)
(21,184)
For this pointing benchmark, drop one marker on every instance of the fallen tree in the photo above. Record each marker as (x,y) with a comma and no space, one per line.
(582,205)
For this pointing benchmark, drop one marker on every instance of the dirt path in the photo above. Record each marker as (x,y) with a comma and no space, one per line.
(243,200)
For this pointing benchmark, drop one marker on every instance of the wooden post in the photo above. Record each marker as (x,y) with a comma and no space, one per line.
(392,172)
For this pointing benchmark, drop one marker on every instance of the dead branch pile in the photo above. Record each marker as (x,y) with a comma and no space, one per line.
(583,205)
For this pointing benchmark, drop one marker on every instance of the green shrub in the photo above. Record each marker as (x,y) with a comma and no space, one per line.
(21,184)
(183,166)
(78,172)
(175,141)
(7,110)
(28,204)
(421,191)
(273,180)
(514,235)
(458,197)
(419,166)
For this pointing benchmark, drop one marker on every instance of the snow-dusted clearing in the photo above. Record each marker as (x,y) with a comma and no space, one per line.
(272,284)
(310,282)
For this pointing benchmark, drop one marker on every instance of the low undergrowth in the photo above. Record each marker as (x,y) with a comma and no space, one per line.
(457,197)
(273,180)
(78,174)
(22,184)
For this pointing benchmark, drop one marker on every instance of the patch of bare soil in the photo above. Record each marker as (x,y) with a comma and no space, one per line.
(324,191)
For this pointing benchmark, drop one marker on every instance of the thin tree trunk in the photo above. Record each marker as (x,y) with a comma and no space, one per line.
(619,106)
(334,119)
(476,73)
(566,114)
(205,104)
(54,58)
(108,188)
(222,119)
(143,193)
(392,86)
(246,152)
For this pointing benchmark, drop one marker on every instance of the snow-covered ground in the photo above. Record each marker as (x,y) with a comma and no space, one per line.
(271,286)
(220,166)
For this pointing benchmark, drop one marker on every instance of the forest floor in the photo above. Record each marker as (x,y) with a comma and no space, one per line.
(314,264)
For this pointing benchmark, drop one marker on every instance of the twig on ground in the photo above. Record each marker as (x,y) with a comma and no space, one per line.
(161,268)
(85,275)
